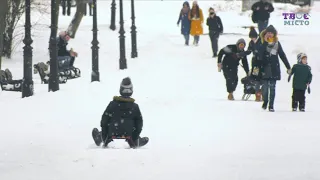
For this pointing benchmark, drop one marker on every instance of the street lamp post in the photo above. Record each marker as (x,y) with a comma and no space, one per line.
(95,75)
(27,83)
(53,78)
(123,60)
(113,15)
(134,52)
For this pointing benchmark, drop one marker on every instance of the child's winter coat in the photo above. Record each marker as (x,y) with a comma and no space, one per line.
(302,76)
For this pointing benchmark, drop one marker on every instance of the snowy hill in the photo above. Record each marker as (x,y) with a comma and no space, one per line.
(195,133)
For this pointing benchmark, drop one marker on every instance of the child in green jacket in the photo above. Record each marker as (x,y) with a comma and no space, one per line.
(301,81)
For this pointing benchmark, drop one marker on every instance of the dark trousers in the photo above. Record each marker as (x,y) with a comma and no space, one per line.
(269,88)
(214,37)
(196,39)
(298,98)
(65,62)
(186,38)
(231,76)
(262,25)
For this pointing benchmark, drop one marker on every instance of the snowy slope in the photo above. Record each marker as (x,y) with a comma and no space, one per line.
(195,132)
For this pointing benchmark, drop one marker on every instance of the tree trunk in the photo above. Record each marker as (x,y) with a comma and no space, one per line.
(74,25)
(3,13)
(15,11)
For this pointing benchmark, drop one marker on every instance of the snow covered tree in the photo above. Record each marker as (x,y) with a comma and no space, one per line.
(12,12)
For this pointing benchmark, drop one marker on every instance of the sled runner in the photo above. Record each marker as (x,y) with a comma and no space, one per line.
(97,137)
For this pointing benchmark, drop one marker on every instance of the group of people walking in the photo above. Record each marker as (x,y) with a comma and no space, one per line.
(191,24)
(265,48)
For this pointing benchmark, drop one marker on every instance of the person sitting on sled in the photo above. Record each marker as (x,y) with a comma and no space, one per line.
(66,57)
(122,117)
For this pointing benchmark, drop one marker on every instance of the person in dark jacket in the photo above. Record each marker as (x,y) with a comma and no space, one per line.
(66,57)
(215,29)
(185,22)
(255,73)
(123,117)
(261,12)
(232,54)
(269,49)
(301,80)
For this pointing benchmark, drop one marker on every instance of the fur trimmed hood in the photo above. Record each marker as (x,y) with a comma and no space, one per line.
(269,29)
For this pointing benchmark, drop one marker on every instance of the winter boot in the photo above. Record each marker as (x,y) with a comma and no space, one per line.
(96,135)
(141,141)
(271,109)
(230,97)
(214,55)
(301,108)
(258,96)
(294,105)
(264,105)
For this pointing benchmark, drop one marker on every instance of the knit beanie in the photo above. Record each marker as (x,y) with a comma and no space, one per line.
(126,88)
(240,41)
(253,33)
(300,56)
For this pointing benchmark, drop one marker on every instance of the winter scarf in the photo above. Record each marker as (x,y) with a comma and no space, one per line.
(272,48)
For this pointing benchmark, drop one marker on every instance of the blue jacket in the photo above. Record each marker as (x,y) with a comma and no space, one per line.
(185,22)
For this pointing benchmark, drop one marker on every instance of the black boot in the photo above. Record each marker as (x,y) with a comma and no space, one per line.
(301,107)
(214,55)
(271,109)
(264,105)
(294,105)
(141,141)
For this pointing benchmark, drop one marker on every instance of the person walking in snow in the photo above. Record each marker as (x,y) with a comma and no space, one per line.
(255,72)
(185,22)
(301,81)
(261,13)
(215,29)
(232,54)
(196,17)
(269,51)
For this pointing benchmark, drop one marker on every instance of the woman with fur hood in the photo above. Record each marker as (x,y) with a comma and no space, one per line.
(196,17)
(185,22)
(269,51)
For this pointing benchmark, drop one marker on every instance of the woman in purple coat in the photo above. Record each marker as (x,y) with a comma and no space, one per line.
(185,22)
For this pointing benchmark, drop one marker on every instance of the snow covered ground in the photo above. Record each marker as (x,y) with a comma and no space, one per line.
(195,133)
